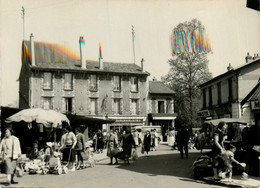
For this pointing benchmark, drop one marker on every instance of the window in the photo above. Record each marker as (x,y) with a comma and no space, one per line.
(93,82)
(160,106)
(134,106)
(219,93)
(117,106)
(117,83)
(93,106)
(68,105)
(47,103)
(168,106)
(204,98)
(154,106)
(210,96)
(68,81)
(47,80)
(230,91)
(134,84)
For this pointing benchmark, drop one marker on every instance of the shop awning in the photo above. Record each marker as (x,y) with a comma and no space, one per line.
(160,116)
(77,119)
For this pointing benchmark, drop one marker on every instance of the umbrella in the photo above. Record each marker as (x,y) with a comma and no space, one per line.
(49,118)
(226,120)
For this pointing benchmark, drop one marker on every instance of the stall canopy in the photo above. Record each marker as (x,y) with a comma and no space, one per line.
(226,120)
(49,118)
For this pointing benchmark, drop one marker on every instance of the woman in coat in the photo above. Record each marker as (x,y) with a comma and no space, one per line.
(111,146)
(127,144)
(100,141)
(172,139)
(80,148)
(147,143)
(11,151)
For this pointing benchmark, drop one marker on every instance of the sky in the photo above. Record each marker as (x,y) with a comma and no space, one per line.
(233,30)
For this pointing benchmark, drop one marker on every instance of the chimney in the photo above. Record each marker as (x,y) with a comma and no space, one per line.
(229,68)
(32,50)
(248,57)
(142,64)
(82,52)
(100,57)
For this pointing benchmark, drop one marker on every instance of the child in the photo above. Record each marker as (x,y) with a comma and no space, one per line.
(224,162)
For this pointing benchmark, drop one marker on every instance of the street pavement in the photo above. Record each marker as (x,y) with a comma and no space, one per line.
(164,168)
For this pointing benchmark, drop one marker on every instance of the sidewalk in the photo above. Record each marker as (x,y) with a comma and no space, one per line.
(237,181)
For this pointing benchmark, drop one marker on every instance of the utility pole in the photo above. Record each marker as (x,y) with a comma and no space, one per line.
(133,36)
(23,14)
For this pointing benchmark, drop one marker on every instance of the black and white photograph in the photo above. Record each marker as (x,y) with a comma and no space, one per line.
(129,93)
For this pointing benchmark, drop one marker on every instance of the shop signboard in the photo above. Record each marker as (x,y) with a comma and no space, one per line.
(203,113)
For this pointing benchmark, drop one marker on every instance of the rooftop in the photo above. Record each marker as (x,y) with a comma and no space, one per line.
(158,87)
(230,72)
(50,56)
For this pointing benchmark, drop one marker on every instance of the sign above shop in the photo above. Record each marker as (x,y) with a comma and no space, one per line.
(203,113)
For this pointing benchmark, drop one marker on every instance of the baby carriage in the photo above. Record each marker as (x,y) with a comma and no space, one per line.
(55,165)
(88,158)
(203,166)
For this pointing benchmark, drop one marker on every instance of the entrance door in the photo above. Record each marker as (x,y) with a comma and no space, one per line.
(165,128)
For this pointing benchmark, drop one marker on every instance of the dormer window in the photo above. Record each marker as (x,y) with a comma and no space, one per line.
(134,84)
(47,80)
(93,82)
(117,83)
(68,82)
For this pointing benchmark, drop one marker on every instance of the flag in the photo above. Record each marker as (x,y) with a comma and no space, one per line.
(100,52)
(81,40)
(25,54)
(133,33)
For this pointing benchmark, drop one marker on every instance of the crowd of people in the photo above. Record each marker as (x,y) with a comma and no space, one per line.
(122,145)
(119,144)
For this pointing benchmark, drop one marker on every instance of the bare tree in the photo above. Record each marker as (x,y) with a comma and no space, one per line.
(189,66)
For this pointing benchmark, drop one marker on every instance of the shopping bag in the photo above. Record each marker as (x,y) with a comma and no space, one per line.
(142,151)
(134,155)
(85,154)
(115,151)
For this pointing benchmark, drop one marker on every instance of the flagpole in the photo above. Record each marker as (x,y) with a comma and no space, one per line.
(133,36)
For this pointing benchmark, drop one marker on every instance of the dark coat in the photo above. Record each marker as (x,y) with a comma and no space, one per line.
(128,143)
(147,142)
(183,136)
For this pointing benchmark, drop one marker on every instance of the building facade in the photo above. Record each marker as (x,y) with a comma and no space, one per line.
(161,107)
(222,95)
(52,77)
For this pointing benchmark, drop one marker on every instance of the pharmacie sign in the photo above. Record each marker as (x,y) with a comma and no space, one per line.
(255,105)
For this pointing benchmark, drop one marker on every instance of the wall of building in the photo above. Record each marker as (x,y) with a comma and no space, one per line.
(247,80)
(153,103)
(82,95)
(24,88)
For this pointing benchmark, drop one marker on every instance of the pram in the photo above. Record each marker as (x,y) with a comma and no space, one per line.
(88,158)
(55,165)
(203,166)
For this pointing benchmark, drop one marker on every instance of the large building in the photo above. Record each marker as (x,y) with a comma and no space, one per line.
(161,107)
(222,95)
(52,77)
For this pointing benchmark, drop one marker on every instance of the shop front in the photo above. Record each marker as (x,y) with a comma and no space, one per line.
(166,121)
(122,123)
